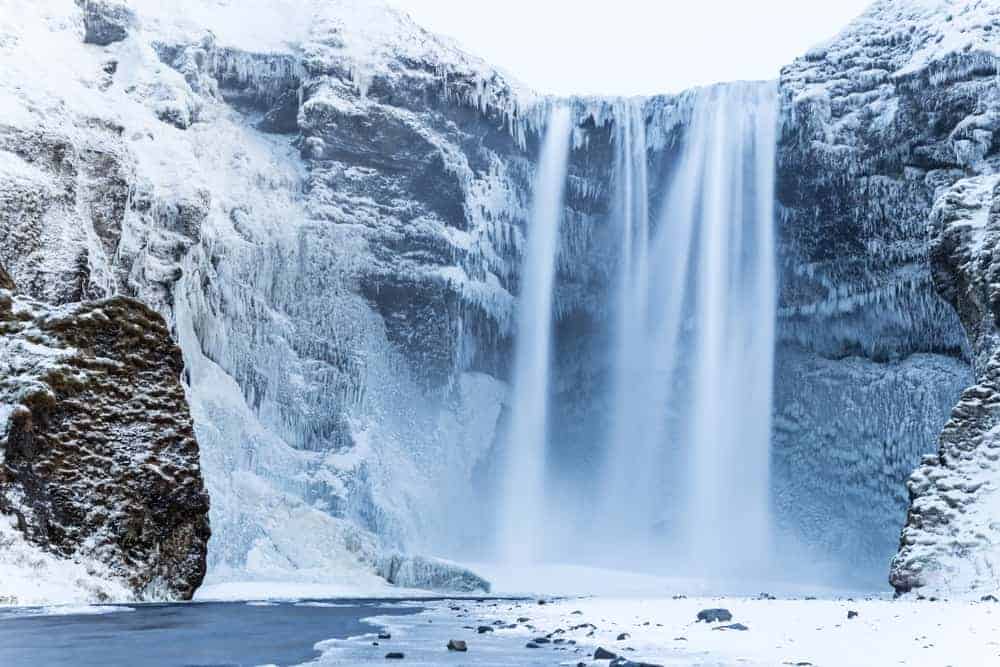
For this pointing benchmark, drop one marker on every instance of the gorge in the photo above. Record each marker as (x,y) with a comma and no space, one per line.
(744,333)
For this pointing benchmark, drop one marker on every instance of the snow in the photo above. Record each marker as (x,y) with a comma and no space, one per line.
(664,631)
(32,577)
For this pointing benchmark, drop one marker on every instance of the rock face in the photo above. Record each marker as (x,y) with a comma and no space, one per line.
(876,124)
(950,545)
(99,459)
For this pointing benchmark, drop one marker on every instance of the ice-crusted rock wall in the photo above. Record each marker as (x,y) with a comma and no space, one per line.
(100,480)
(950,545)
(327,205)
(327,224)
(876,124)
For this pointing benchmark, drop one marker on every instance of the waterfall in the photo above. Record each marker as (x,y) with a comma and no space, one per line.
(523,499)
(734,334)
(625,515)
(688,450)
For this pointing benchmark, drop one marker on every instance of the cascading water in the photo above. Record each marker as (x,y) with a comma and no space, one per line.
(524,464)
(689,446)
(625,515)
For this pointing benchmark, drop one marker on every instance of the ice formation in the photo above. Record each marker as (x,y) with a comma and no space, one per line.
(330,206)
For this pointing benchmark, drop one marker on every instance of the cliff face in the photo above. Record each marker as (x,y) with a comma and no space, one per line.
(876,125)
(326,204)
(950,545)
(99,461)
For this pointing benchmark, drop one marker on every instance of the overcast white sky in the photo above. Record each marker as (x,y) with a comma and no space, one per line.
(627,47)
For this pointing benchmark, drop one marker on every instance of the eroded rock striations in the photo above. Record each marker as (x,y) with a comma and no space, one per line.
(99,459)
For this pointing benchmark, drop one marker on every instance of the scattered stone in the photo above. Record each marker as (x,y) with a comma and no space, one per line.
(766,596)
(384,635)
(603,654)
(483,629)
(523,619)
(733,626)
(989,598)
(394,655)
(576,613)
(542,602)
(680,597)
(542,640)
(852,614)
(498,623)
(457,645)
(623,636)
(714,615)
(532,645)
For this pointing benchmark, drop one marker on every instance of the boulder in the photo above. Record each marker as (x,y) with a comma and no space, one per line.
(714,615)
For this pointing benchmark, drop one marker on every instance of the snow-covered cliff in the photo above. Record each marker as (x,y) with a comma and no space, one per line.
(327,204)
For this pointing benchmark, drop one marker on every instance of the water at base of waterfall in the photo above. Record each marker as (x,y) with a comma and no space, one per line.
(194,633)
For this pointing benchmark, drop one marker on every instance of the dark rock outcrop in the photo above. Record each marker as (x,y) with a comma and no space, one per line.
(99,459)
(6,282)
(106,21)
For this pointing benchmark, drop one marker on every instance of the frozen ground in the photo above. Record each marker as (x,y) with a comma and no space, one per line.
(664,631)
